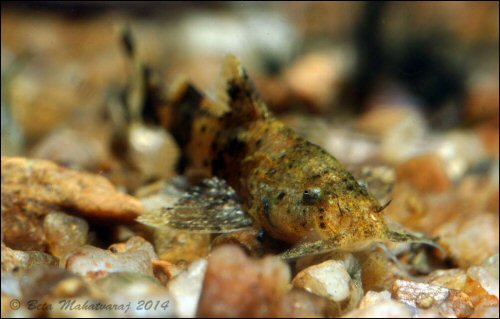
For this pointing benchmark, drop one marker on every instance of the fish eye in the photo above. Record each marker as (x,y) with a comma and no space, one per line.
(311,196)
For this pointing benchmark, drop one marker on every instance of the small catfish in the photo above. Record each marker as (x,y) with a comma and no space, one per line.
(292,189)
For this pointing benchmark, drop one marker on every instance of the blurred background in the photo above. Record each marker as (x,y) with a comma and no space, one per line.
(405,94)
(345,74)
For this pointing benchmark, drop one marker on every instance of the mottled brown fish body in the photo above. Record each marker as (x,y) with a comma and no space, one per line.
(293,189)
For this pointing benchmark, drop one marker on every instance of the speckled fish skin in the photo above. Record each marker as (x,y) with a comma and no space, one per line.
(293,189)
(296,191)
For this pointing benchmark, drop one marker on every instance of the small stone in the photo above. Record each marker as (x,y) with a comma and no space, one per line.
(298,303)
(153,151)
(372,298)
(491,265)
(41,282)
(486,312)
(33,188)
(485,278)
(164,270)
(349,147)
(15,260)
(94,262)
(460,151)
(426,173)
(146,296)
(459,304)
(180,246)
(134,244)
(314,79)
(64,233)
(424,302)
(73,149)
(481,298)
(450,278)
(409,292)
(449,302)
(329,279)
(337,280)
(400,129)
(380,305)
(248,239)
(470,240)
(164,193)
(231,274)
(10,285)
(186,288)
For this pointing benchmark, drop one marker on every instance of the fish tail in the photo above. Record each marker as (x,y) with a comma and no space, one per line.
(194,123)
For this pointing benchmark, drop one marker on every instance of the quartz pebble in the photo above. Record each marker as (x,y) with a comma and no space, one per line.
(380,305)
(153,151)
(492,265)
(328,279)
(94,262)
(299,303)
(10,285)
(482,285)
(485,278)
(422,295)
(186,288)
(64,233)
(336,280)
(135,244)
(231,274)
(418,294)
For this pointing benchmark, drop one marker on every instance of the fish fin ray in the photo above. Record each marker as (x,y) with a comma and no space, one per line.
(211,207)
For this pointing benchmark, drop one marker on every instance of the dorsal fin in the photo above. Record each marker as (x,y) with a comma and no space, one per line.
(241,96)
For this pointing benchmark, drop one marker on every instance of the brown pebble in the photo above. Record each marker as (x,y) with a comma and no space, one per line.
(231,274)
(33,188)
(426,172)
(64,233)
(490,136)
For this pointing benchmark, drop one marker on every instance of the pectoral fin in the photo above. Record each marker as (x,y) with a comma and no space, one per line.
(403,236)
(312,248)
(211,207)
(396,233)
